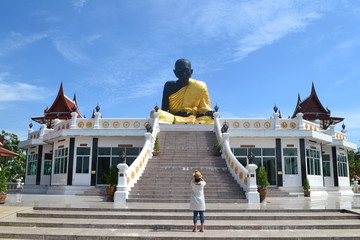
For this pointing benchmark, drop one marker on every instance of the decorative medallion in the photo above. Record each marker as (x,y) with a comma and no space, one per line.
(236,124)
(80,124)
(306,126)
(126,124)
(267,125)
(236,170)
(257,125)
(147,122)
(292,125)
(311,128)
(246,124)
(67,125)
(59,128)
(136,124)
(89,124)
(232,165)
(241,175)
(116,124)
(132,175)
(127,180)
(63,127)
(141,163)
(228,159)
(137,169)
(284,125)
(246,181)
(106,124)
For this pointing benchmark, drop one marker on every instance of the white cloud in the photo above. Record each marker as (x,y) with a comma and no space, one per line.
(17,40)
(70,51)
(79,4)
(17,91)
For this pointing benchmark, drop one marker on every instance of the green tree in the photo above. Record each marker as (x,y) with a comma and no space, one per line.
(354,163)
(15,165)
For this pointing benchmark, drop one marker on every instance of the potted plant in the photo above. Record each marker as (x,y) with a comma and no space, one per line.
(217,148)
(3,187)
(262,181)
(111,178)
(306,187)
(156,151)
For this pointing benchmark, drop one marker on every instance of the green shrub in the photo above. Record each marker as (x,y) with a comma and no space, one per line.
(306,185)
(262,179)
(111,176)
(3,187)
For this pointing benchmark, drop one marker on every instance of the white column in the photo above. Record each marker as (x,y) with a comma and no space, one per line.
(276,120)
(97,119)
(73,120)
(252,194)
(332,131)
(122,192)
(300,120)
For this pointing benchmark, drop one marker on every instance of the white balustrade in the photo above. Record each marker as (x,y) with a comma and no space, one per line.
(128,176)
(246,177)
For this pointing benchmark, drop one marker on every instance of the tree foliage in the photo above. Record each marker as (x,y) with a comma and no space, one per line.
(15,165)
(354,163)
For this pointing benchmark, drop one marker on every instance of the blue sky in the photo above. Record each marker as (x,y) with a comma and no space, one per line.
(251,54)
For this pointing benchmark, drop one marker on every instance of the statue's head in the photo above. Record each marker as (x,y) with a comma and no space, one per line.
(183,69)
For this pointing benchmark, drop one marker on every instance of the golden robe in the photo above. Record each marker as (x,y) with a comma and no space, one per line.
(192,98)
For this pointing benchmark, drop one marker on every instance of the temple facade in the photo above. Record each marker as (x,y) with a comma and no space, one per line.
(71,150)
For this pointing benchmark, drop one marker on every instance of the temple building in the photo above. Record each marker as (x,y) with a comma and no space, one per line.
(71,150)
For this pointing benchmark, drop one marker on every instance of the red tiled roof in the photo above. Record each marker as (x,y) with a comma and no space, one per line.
(6,153)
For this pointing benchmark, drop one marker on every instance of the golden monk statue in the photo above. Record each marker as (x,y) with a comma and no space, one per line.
(185,101)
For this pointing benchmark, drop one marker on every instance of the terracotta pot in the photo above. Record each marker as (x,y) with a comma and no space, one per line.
(306,193)
(110,191)
(156,153)
(2,198)
(262,193)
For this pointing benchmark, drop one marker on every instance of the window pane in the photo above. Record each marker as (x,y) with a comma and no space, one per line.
(326,169)
(79,164)
(130,160)
(290,151)
(104,151)
(268,151)
(86,161)
(132,151)
(255,151)
(115,161)
(117,151)
(240,151)
(83,151)
(242,161)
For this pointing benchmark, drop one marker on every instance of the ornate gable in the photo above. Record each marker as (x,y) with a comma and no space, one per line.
(312,109)
(61,108)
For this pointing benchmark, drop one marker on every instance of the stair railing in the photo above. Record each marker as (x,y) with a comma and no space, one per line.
(129,175)
(245,177)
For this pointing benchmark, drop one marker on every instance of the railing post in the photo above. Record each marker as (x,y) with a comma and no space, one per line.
(122,192)
(97,119)
(300,120)
(276,120)
(252,194)
(73,120)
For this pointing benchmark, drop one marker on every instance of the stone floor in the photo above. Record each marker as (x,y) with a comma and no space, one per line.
(43,200)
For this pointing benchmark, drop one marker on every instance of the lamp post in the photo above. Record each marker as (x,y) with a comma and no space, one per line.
(122,192)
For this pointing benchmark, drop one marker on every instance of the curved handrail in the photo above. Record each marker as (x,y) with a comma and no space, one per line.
(237,170)
(137,168)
